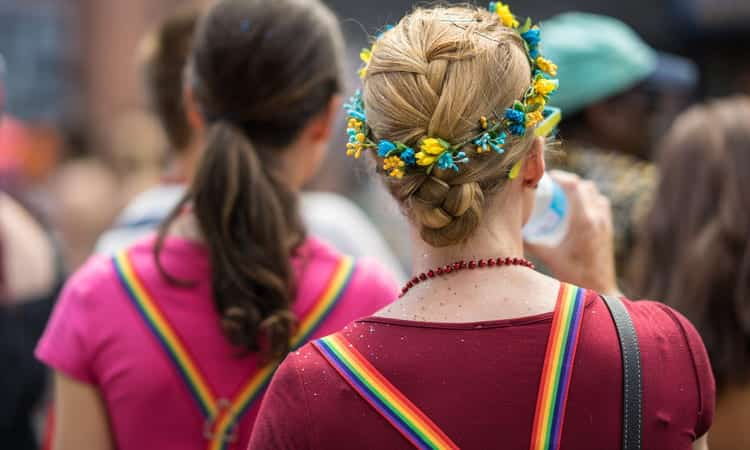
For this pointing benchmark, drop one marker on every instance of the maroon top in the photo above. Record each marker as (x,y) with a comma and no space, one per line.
(479,382)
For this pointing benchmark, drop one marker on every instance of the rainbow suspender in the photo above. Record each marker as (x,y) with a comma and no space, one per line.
(221,414)
(558,367)
(415,426)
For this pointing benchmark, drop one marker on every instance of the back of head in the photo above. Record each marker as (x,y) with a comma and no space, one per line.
(260,71)
(436,74)
(694,252)
(165,55)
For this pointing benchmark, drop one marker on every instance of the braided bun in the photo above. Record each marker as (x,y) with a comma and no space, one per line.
(435,74)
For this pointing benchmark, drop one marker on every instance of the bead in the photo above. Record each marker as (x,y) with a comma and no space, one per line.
(461,264)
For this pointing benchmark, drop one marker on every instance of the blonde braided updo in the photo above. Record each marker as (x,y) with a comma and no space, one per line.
(437,73)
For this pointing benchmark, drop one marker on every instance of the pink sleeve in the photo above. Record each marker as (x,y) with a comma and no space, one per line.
(284,420)
(703,372)
(374,287)
(66,343)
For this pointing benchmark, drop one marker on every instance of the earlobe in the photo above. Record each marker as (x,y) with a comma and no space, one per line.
(534,166)
(192,111)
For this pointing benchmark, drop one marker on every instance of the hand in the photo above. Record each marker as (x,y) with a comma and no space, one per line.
(586,255)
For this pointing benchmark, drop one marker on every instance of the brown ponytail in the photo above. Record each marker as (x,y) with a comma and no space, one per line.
(260,71)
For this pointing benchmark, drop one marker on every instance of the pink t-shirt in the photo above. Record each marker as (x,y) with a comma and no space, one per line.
(96,336)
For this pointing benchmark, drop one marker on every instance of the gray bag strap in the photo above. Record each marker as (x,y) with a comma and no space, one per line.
(631,373)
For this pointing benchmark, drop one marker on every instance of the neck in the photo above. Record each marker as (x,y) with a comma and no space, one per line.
(182,164)
(498,236)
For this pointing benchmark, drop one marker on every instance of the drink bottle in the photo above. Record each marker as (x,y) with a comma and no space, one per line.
(550,218)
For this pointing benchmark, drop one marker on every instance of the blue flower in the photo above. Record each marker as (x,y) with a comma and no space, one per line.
(407,156)
(385,147)
(515,116)
(483,143)
(517,129)
(498,142)
(388,27)
(532,37)
(445,162)
(448,160)
(356,107)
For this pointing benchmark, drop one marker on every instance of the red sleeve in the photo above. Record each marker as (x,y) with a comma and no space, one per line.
(283,421)
(703,372)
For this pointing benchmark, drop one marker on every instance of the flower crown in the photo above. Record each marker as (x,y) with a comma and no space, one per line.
(525,114)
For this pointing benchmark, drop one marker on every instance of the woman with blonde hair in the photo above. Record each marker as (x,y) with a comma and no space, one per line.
(171,343)
(481,351)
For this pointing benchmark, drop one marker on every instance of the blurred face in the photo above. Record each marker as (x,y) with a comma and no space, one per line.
(633,122)
(304,158)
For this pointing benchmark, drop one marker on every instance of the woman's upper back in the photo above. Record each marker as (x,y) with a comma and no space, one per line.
(479,381)
(98,336)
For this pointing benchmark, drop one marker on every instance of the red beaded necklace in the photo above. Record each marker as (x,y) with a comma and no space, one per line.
(461,265)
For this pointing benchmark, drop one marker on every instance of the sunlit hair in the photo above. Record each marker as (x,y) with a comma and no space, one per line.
(436,73)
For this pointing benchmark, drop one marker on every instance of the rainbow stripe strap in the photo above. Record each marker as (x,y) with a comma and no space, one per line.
(222,415)
(558,367)
(412,423)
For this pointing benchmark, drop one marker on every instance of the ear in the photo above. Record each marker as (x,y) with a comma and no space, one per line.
(320,127)
(534,166)
(192,110)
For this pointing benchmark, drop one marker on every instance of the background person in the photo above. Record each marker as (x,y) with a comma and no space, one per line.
(331,217)
(171,343)
(468,348)
(693,251)
(618,97)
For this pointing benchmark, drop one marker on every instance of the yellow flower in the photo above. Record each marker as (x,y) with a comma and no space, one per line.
(483,122)
(397,173)
(395,165)
(543,86)
(354,124)
(366,56)
(431,148)
(361,138)
(537,100)
(546,66)
(354,150)
(506,17)
(532,119)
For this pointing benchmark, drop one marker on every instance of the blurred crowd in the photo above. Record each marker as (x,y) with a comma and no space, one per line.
(665,137)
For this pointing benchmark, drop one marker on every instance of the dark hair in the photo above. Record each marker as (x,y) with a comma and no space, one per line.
(694,252)
(260,70)
(166,54)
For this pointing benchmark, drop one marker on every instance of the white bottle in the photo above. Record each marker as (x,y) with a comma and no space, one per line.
(550,218)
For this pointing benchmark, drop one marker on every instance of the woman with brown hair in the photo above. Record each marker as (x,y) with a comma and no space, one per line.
(694,251)
(481,351)
(170,344)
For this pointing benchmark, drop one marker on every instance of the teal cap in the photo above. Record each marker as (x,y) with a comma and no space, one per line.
(597,57)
